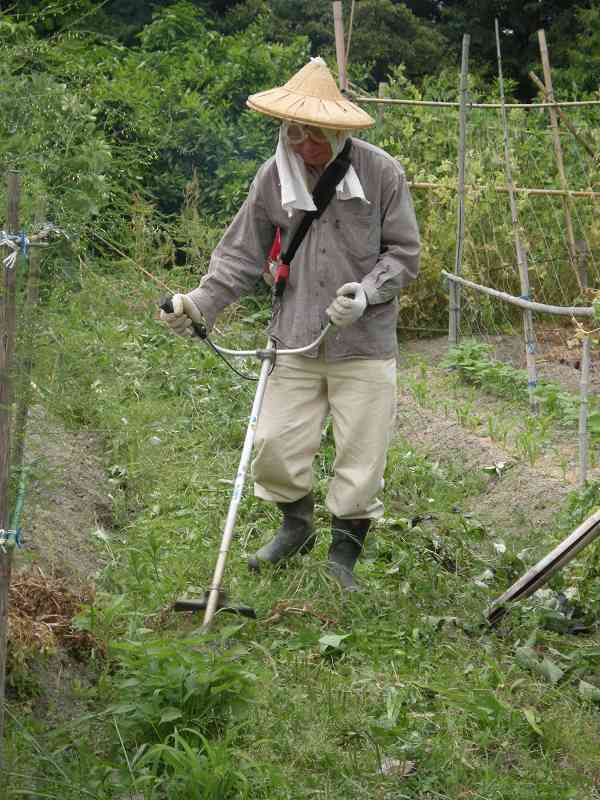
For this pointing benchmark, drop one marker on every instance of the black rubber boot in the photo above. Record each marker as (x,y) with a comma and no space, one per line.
(347,539)
(296,534)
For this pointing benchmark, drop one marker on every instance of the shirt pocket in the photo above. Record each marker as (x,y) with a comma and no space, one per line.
(359,229)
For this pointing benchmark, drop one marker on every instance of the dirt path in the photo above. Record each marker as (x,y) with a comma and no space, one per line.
(67,500)
(517,497)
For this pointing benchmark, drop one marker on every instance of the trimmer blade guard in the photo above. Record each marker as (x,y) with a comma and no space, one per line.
(190,604)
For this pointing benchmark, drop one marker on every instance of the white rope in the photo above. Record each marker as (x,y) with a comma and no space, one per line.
(20,242)
(12,242)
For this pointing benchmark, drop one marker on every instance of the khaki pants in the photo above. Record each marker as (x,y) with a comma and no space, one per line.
(360,395)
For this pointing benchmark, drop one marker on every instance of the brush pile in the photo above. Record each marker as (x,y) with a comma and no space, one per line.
(41,612)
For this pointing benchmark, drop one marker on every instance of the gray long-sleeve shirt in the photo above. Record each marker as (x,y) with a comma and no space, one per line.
(375,244)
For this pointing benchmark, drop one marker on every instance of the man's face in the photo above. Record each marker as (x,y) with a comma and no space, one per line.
(310,143)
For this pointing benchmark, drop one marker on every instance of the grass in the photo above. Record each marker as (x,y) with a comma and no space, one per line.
(330,687)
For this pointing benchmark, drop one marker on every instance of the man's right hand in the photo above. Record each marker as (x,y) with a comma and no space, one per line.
(185,314)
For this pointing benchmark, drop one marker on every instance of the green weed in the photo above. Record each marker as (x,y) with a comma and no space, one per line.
(472,361)
(167,684)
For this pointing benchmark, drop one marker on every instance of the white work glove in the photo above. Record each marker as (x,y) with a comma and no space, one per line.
(345,310)
(185,313)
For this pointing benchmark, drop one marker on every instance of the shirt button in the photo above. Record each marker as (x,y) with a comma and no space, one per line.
(323,250)
(322,284)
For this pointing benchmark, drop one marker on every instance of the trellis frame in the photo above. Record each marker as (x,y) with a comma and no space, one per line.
(567,195)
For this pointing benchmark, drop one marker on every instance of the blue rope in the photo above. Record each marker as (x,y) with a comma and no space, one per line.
(20,239)
(23,244)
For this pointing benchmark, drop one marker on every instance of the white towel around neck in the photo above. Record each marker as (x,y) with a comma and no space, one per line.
(293,177)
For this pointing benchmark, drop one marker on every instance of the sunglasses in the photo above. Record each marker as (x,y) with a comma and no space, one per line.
(297,134)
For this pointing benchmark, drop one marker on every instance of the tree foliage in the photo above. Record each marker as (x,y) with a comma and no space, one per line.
(120,120)
(519,22)
(122,127)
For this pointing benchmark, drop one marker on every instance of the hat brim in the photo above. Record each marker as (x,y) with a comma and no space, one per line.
(283,104)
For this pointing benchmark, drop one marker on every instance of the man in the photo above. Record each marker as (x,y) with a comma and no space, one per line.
(354,261)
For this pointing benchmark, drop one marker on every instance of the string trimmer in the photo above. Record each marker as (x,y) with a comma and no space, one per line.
(215,599)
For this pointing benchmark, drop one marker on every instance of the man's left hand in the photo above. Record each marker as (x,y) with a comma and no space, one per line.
(348,306)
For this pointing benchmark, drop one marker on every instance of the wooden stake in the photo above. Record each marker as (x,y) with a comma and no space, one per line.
(541,573)
(7,343)
(567,122)
(350,26)
(528,330)
(27,327)
(581,279)
(382,91)
(584,386)
(340,51)
(454,294)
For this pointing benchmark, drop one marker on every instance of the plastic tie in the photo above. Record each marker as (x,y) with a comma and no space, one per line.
(525,296)
(23,244)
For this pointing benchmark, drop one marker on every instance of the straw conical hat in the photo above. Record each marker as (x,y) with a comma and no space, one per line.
(311,97)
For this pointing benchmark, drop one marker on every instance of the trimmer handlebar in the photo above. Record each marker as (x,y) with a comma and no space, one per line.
(166,304)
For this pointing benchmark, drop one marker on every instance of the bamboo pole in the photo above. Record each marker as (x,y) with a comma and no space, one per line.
(340,52)
(517,189)
(564,311)
(454,104)
(454,295)
(382,90)
(565,119)
(7,343)
(584,385)
(528,330)
(27,339)
(350,27)
(558,154)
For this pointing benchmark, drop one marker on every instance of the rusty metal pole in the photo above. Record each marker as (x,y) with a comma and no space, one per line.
(7,345)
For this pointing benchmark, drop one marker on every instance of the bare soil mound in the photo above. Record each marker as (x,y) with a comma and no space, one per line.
(67,499)
(521,494)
